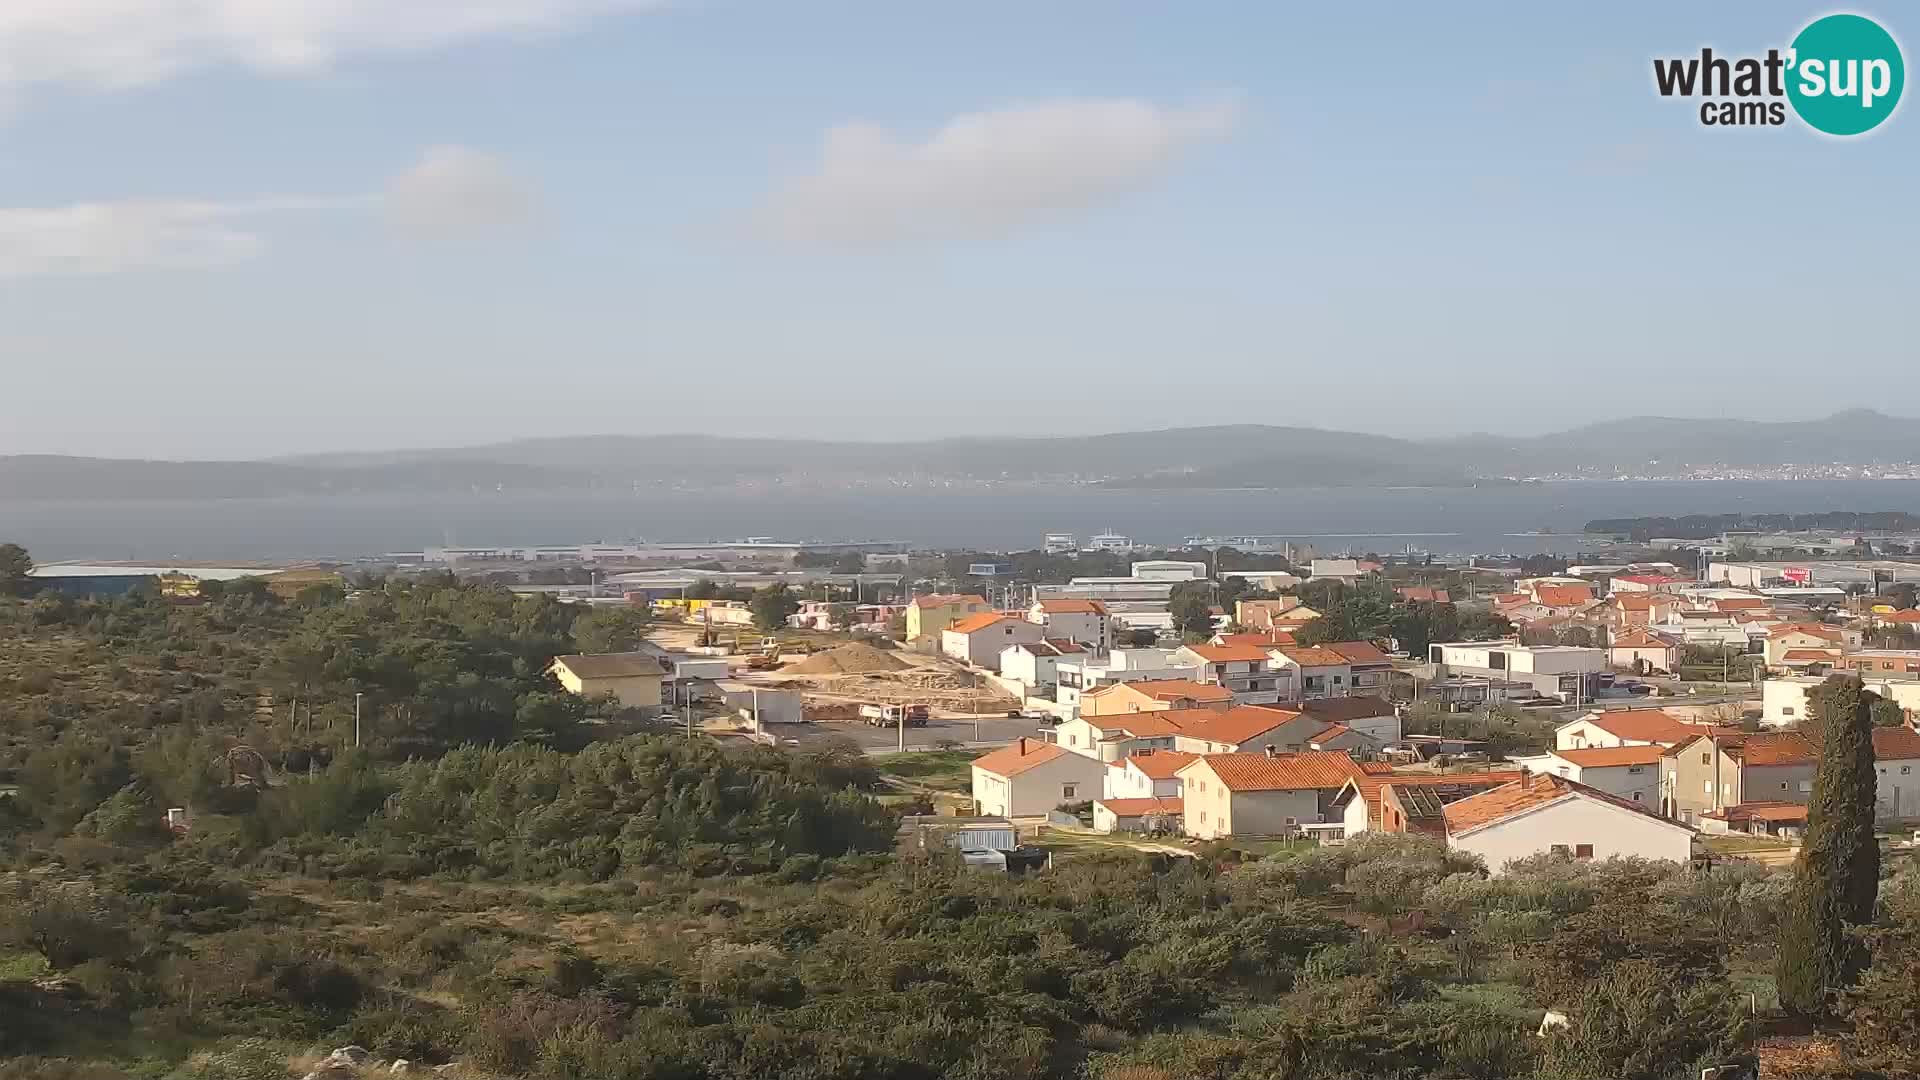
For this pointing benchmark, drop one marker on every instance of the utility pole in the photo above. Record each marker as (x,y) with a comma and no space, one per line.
(356,719)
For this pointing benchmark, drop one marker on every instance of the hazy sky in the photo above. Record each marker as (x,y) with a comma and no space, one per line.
(252,227)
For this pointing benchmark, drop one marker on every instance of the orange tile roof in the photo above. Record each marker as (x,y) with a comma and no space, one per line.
(1896,744)
(1527,793)
(1140,807)
(1160,764)
(973,624)
(1771,748)
(1237,725)
(1814,656)
(1600,757)
(1506,599)
(1359,652)
(1903,616)
(944,599)
(1332,732)
(1641,601)
(1314,656)
(1280,772)
(1073,607)
(1228,654)
(1414,594)
(1021,755)
(1262,641)
(1645,725)
(1764,810)
(1369,786)
(1642,639)
(1175,689)
(1740,603)
(1651,579)
(1146,725)
(1831,633)
(1562,595)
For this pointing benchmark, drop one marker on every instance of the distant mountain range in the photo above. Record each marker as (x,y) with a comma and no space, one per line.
(1237,456)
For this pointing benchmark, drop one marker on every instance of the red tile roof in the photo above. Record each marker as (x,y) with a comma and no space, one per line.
(1073,607)
(1314,656)
(1642,639)
(1279,772)
(1562,595)
(1160,764)
(1764,810)
(1527,793)
(1896,744)
(1369,786)
(1415,594)
(1239,724)
(1359,652)
(1771,748)
(1600,757)
(1643,725)
(1140,807)
(973,624)
(1021,755)
(1508,599)
(1812,656)
(1904,616)
(1641,601)
(1170,690)
(1740,603)
(1229,654)
(1147,725)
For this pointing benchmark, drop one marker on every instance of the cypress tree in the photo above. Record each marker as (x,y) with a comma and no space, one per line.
(1838,875)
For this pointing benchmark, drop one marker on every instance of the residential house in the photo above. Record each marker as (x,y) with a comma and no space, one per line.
(631,678)
(1810,661)
(1030,777)
(1368,668)
(1262,614)
(1568,672)
(1783,700)
(1538,814)
(1624,727)
(1085,621)
(978,640)
(1120,665)
(1421,594)
(1123,735)
(1631,772)
(1374,717)
(1557,593)
(1883,663)
(1247,671)
(1777,819)
(1804,636)
(1152,695)
(1641,609)
(1644,651)
(928,615)
(1407,802)
(1146,774)
(1148,815)
(1715,771)
(1262,794)
(1319,672)
(1896,754)
(1346,571)
(1035,664)
(1260,639)
(1249,729)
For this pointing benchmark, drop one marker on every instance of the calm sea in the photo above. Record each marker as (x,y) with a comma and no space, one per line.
(1477,520)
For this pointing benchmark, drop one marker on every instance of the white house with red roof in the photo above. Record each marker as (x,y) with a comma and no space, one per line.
(1630,772)
(1146,774)
(1030,777)
(1319,671)
(1896,763)
(1624,727)
(1035,664)
(1247,670)
(1642,650)
(1552,814)
(1085,621)
(978,640)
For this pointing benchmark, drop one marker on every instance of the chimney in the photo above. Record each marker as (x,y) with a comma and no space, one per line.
(1270,752)
(1526,780)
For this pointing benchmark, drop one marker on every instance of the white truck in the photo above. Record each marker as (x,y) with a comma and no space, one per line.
(891,715)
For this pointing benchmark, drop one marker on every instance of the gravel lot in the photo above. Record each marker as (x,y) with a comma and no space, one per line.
(992,731)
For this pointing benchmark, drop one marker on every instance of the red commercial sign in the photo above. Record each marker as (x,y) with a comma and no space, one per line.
(1799,575)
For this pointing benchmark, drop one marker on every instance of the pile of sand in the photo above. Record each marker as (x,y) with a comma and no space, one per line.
(851,659)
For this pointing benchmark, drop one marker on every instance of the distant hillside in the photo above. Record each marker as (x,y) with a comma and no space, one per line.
(1234,456)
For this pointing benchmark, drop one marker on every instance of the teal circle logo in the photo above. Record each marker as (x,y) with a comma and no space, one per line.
(1844,74)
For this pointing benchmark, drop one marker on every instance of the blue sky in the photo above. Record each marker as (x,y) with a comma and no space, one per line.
(375,223)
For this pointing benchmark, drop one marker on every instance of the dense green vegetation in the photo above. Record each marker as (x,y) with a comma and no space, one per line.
(506,877)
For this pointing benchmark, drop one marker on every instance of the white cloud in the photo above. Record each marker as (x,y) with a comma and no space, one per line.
(153,234)
(455,188)
(987,171)
(123,43)
(449,189)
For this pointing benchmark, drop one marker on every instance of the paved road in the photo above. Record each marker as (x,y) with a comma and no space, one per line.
(991,731)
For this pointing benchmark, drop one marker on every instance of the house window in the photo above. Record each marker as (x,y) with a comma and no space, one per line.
(1583,851)
(1786,710)
(1806,786)
(1783,785)
(1203,817)
(1067,791)
(1706,759)
(1636,796)
(1559,849)
(1706,787)
(1636,768)
(1906,770)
